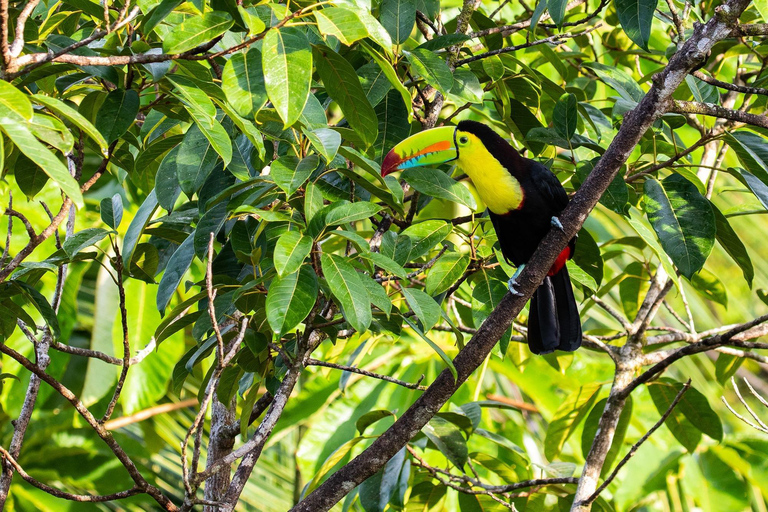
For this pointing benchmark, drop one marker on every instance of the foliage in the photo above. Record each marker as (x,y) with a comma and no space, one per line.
(266,130)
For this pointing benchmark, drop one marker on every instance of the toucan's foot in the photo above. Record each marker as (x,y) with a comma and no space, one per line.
(556,223)
(512,283)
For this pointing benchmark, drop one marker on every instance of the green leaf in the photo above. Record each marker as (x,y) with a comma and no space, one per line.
(466,87)
(482,503)
(192,96)
(291,249)
(117,113)
(398,18)
(636,18)
(344,212)
(290,299)
(287,64)
(624,84)
(341,23)
(432,69)
(424,306)
(369,418)
(391,75)
(243,83)
(445,41)
(493,67)
(167,185)
(393,122)
(378,295)
(73,116)
(29,176)
(448,438)
(565,116)
(615,197)
(341,84)
(251,19)
(726,367)
(424,236)
(683,220)
(325,141)
(333,459)
(388,264)
(15,127)
(290,173)
(177,266)
(345,285)
(82,239)
(567,417)
(16,101)
(663,394)
(196,30)
(215,133)
(446,271)
(710,287)
(195,161)
(137,225)
(112,210)
(426,497)
(557,10)
(376,492)
(438,184)
(41,305)
(702,91)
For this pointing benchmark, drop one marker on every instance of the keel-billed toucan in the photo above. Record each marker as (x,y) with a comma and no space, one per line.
(524,199)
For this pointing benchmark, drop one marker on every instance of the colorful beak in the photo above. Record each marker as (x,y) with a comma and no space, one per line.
(430,147)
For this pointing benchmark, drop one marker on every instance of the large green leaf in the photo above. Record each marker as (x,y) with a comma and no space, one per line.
(572,410)
(398,17)
(346,286)
(424,307)
(72,115)
(194,161)
(291,250)
(566,116)
(393,122)
(290,299)
(344,212)
(683,220)
(137,225)
(445,272)
(343,24)
(624,84)
(432,69)
(111,210)
(341,84)
(448,438)
(290,173)
(287,65)
(117,113)
(733,245)
(177,266)
(376,492)
(15,101)
(82,239)
(557,10)
(196,30)
(663,394)
(15,127)
(424,236)
(636,18)
(694,406)
(438,184)
(243,82)
(391,75)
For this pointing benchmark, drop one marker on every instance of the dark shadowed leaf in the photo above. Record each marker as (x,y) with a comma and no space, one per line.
(636,18)
(566,116)
(398,18)
(683,221)
(290,299)
(117,113)
(112,210)
(448,438)
(345,284)
(177,266)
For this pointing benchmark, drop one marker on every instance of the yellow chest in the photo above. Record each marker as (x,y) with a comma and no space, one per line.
(500,191)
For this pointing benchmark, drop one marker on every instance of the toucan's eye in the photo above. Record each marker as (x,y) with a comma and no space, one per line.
(463,139)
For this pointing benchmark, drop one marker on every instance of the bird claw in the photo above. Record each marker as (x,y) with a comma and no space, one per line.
(512,283)
(556,223)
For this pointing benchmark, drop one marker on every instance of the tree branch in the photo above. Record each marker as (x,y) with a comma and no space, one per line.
(360,371)
(709,109)
(729,86)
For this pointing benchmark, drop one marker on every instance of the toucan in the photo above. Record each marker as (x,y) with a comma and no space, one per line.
(524,199)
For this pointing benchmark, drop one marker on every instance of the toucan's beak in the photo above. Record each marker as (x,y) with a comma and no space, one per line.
(430,147)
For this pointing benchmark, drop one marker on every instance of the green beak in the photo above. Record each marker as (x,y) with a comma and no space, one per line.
(430,147)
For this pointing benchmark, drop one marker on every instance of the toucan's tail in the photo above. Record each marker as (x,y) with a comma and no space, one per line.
(553,323)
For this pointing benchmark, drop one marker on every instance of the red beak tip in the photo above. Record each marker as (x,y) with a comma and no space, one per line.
(390,163)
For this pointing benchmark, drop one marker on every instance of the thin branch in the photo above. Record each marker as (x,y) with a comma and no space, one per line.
(118,264)
(83,498)
(352,369)
(21,22)
(421,269)
(614,313)
(148,413)
(212,296)
(555,39)
(27,225)
(640,441)
(102,432)
(709,109)
(745,89)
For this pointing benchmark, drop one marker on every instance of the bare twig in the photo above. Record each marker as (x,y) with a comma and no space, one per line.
(729,86)
(352,369)
(640,441)
(709,109)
